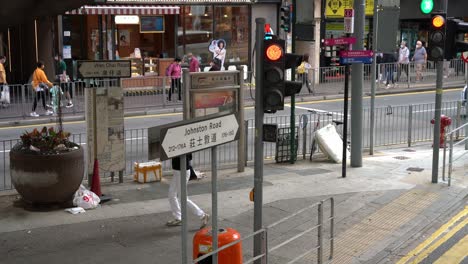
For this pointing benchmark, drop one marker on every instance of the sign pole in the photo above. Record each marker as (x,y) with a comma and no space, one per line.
(374,75)
(258,169)
(437,112)
(183,207)
(214,200)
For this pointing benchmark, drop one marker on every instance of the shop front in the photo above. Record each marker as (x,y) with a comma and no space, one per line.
(152,36)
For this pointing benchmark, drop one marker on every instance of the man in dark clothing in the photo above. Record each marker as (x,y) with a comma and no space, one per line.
(389,64)
(174,191)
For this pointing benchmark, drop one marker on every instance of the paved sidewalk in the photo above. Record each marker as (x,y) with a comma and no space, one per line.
(378,207)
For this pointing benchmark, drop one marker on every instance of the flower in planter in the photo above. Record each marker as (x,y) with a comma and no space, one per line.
(47,141)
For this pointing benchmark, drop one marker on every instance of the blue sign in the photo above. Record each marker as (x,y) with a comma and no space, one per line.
(352,60)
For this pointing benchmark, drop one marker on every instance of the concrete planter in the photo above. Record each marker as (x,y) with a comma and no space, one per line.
(46,179)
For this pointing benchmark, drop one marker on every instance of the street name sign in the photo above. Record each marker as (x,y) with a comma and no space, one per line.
(356,53)
(104,69)
(339,41)
(197,134)
(353,60)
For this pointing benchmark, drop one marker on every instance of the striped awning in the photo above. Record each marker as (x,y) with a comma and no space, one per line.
(125,10)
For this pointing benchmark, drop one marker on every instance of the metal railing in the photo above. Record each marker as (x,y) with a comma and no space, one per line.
(322,236)
(395,125)
(452,135)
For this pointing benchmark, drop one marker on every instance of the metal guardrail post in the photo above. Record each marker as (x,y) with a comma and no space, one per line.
(458,118)
(332,227)
(164,80)
(265,244)
(23,99)
(320,234)
(73,93)
(410,125)
(304,142)
(444,159)
(450,160)
(246,144)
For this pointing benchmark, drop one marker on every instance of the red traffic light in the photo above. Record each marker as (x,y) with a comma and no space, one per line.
(438,21)
(274,52)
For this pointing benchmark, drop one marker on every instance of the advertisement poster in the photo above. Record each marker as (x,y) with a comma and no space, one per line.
(124,38)
(218,48)
(206,103)
(335,8)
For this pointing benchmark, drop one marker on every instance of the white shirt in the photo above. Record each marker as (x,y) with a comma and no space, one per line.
(403,55)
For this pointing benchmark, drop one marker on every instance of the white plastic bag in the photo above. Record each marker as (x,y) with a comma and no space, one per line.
(85,199)
(5,96)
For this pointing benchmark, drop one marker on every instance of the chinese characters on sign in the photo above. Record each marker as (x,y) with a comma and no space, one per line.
(199,135)
(104,69)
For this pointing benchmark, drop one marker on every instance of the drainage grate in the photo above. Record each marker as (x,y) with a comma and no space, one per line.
(409,150)
(415,169)
(400,157)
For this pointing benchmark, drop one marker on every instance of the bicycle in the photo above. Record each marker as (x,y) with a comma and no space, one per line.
(336,124)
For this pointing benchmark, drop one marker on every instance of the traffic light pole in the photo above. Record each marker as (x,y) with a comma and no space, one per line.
(437,112)
(258,169)
(293,96)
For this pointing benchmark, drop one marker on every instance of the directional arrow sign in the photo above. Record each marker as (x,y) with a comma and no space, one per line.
(197,135)
(104,69)
(351,60)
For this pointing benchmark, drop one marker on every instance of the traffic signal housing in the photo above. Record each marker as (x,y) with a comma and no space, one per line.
(275,86)
(436,44)
(273,75)
(286,18)
(454,41)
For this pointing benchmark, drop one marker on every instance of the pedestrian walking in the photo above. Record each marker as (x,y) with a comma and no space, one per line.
(62,78)
(175,71)
(420,60)
(174,191)
(388,60)
(194,64)
(403,60)
(39,84)
(3,80)
(303,71)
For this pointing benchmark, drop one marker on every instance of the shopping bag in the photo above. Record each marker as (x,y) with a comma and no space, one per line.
(5,96)
(85,199)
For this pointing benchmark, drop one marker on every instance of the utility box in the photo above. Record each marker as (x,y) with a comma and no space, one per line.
(283,145)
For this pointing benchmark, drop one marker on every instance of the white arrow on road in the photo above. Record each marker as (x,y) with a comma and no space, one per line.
(200,135)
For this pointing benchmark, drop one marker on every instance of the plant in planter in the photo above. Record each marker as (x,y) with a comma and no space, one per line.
(46,167)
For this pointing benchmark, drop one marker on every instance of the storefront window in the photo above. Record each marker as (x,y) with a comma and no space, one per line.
(195,32)
(231,25)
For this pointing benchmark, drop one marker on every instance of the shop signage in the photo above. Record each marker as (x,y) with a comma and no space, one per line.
(339,41)
(356,53)
(127,20)
(104,69)
(336,8)
(353,60)
(191,135)
(349,21)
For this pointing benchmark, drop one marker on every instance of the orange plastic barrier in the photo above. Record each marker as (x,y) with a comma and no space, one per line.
(203,241)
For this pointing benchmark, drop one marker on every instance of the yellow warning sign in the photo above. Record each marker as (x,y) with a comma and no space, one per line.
(335,8)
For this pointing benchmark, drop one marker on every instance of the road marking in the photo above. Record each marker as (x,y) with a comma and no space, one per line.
(456,254)
(439,242)
(319,111)
(434,236)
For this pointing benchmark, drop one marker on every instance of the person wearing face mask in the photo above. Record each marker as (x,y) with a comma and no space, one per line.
(420,59)
(403,60)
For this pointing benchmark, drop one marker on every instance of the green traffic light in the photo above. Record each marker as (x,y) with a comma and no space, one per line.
(427,6)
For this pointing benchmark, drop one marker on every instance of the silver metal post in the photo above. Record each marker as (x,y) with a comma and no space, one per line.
(258,170)
(304,142)
(437,111)
(241,151)
(410,125)
(23,99)
(450,160)
(164,80)
(444,160)
(374,75)
(332,227)
(183,207)
(214,201)
(320,233)
(458,119)
(357,80)
(246,145)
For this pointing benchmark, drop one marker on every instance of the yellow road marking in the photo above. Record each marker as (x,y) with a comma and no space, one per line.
(434,236)
(456,254)
(439,242)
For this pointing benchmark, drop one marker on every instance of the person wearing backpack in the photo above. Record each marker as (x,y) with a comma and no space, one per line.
(175,72)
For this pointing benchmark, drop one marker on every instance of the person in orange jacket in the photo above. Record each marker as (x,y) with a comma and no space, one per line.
(39,84)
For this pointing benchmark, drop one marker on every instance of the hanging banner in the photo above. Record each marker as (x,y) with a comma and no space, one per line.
(335,8)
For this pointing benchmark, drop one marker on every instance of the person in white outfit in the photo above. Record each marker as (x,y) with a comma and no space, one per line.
(174,191)
(403,60)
